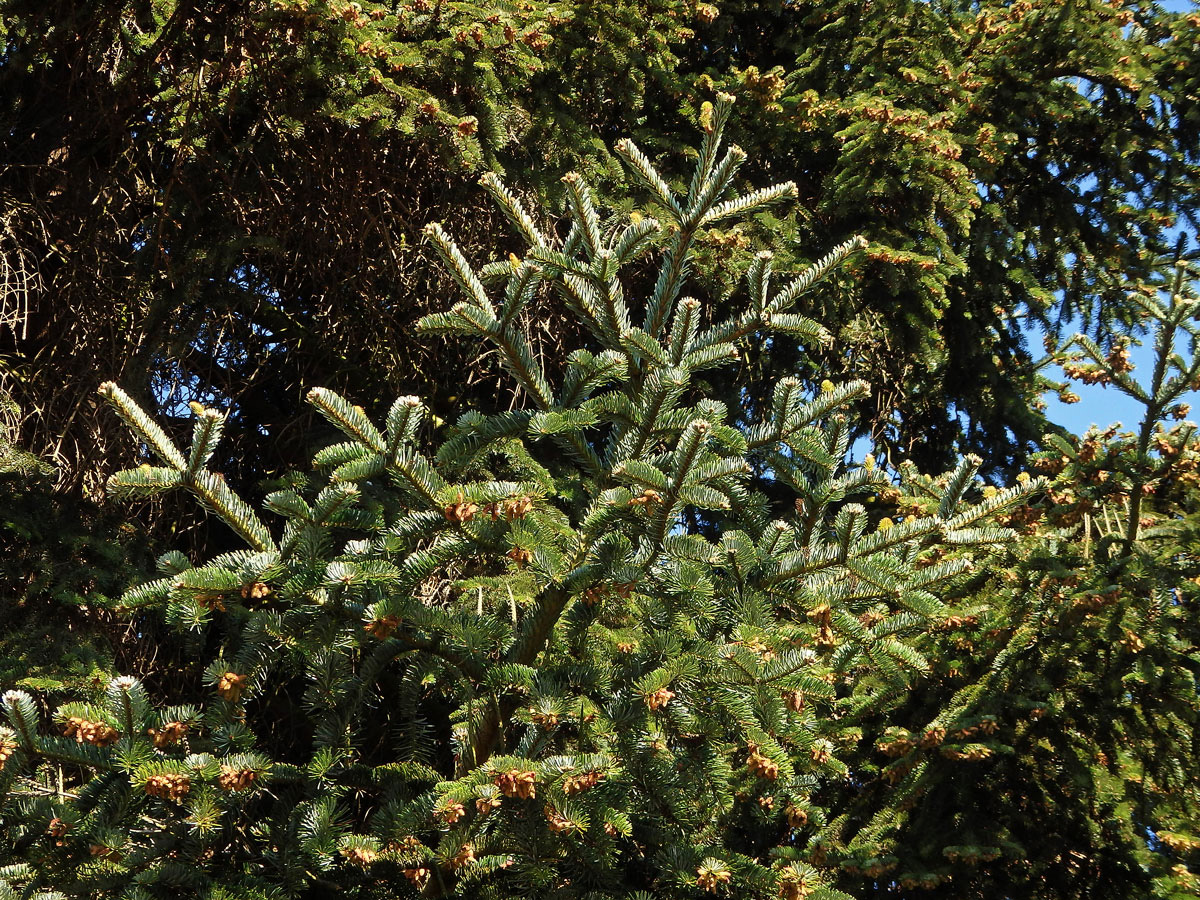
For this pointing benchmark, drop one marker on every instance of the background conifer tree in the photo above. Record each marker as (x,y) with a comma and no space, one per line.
(222,203)
(1054,738)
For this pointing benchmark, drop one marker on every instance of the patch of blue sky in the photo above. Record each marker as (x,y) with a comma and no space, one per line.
(175,386)
(1106,405)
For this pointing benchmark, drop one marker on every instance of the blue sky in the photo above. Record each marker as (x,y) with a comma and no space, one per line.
(1106,405)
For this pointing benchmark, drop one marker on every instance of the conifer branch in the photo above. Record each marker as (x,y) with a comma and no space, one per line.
(205,435)
(468,281)
(635,240)
(213,493)
(758,280)
(349,419)
(208,487)
(672,272)
(750,204)
(513,209)
(683,329)
(713,118)
(579,198)
(715,186)
(816,273)
(521,288)
(142,425)
(641,166)
(403,420)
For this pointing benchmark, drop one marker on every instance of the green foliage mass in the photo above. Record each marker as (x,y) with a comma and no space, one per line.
(62,568)
(1010,164)
(510,666)
(609,611)
(1054,748)
(223,203)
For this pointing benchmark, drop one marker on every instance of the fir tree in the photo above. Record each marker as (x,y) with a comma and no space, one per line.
(1054,739)
(578,651)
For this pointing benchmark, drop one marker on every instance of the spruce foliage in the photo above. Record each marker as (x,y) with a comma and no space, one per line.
(611,642)
(222,202)
(63,565)
(1009,163)
(1055,739)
